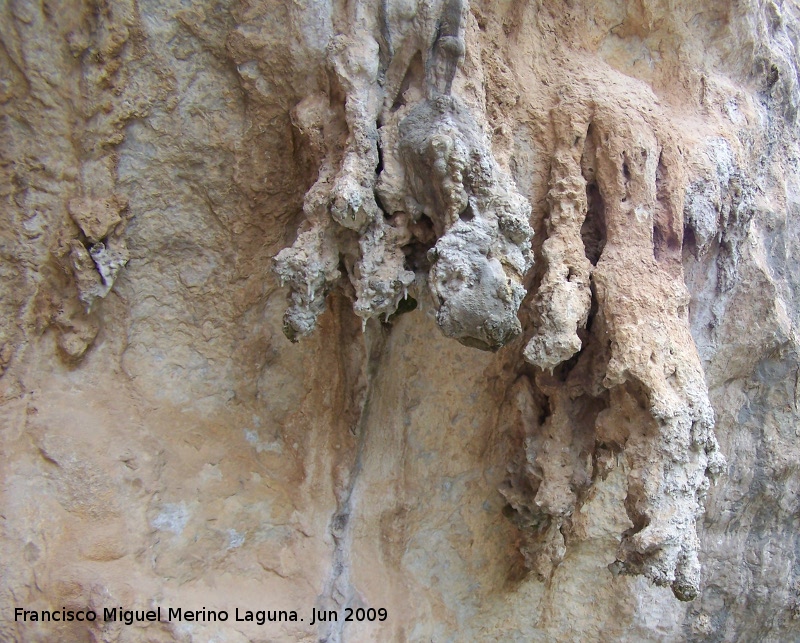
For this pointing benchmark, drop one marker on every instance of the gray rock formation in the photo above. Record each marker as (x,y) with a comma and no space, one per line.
(437,165)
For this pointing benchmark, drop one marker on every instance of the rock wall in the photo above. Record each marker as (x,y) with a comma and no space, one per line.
(598,200)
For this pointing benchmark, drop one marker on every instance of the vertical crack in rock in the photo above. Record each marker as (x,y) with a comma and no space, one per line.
(339,592)
(638,353)
(434,161)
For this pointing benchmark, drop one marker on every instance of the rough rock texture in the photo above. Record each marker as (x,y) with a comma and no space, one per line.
(638,375)
(173,173)
(439,174)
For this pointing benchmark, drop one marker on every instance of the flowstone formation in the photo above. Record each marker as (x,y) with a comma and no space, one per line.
(392,143)
(616,360)
(479,218)
(445,211)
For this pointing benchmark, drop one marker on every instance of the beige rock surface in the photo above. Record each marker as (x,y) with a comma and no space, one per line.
(606,194)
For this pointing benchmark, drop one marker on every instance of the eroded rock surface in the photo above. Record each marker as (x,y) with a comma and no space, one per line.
(172,172)
(638,353)
(437,165)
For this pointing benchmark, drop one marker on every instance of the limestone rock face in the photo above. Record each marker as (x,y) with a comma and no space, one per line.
(604,197)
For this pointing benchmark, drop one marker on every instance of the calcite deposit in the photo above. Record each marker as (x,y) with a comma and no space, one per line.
(439,182)
(625,253)
(638,353)
(597,200)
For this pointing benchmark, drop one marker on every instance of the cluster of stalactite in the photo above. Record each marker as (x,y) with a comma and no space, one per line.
(409,196)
